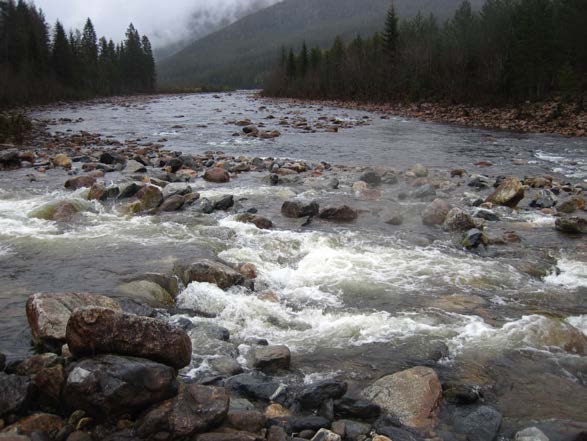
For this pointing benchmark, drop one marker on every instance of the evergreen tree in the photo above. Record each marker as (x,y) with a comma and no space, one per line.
(89,56)
(149,65)
(304,60)
(290,69)
(61,57)
(390,34)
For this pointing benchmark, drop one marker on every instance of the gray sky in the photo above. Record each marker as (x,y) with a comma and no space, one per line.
(163,21)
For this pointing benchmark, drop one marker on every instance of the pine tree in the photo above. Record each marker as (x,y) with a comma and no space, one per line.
(89,57)
(391,34)
(304,60)
(149,65)
(61,57)
(290,69)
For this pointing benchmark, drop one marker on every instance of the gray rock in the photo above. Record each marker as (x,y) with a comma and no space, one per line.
(348,407)
(473,238)
(133,167)
(371,177)
(176,188)
(531,434)
(272,358)
(544,199)
(458,220)
(326,435)
(487,215)
(424,193)
(295,209)
(339,214)
(480,424)
(223,203)
(204,270)
(257,386)
(479,181)
(225,366)
(572,224)
(311,396)
(172,203)
(9,159)
(16,394)
(351,430)
(435,213)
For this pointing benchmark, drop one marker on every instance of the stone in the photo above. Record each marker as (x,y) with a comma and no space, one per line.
(480,424)
(424,193)
(255,386)
(9,159)
(79,182)
(371,177)
(150,197)
(272,358)
(348,407)
(16,394)
(59,211)
(487,215)
(172,203)
(225,366)
(571,205)
(339,214)
(247,420)
(100,192)
(48,314)
(78,435)
(248,270)
(277,433)
(223,202)
(295,209)
(147,291)
(571,224)
(412,396)
(312,422)
(229,436)
(195,409)
(176,188)
(133,167)
(44,423)
(129,190)
(62,160)
(311,396)
(461,394)
(217,175)
(473,238)
(97,330)
(531,434)
(47,373)
(112,158)
(326,435)
(259,221)
(458,220)
(420,171)
(351,430)
(205,270)
(479,181)
(508,193)
(108,386)
(2,361)
(544,199)
(435,213)
(395,219)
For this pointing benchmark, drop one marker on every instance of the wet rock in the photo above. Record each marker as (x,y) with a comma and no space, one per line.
(48,314)
(508,193)
(424,193)
(150,197)
(371,177)
(396,434)
(272,358)
(204,270)
(311,396)
(147,291)
(223,202)
(100,192)
(62,160)
(129,190)
(229,436)
(411,395)
(176,188)
(79,182)
(348,407)
(259,221)
(112,158)
(108,386)
(217,175)
(531,434)
(16,394)
(195,409)
(326,435)
(351,430)
(48,375)
(276,433)
(9,159)
(295,209)
(256,386)
(247,420)
(395,219)
(42,423)
(458,220)
(419,171)
(390,177)
(104,331)
(339,214)
(173,203)
(479,181)
(225,366)
(2,361)
(316,423)
(59,211)
(435,213)
(480,424)
(461,394)
(248,270)
(572,224)
(133,167)
(487,215)
(78,435)
(473,238)
(544,199)
(571,205)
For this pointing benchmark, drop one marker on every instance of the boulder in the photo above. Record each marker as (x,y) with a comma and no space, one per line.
(195,409)
(480,424)
(531,434)
(479,181)
(100,192)
(311,396)
(259,221)
(16,394)
(435,213)
(508,193)
(172,203)
(571,205)
(112,158)
(571,224)
(371,177)
(487,215)
(351,430)
(47,373)
(295,209)
(229,436)
(326,435)
(39,423)
(247,420)
(544,199)
(473,238)
(80,182)
(458,220)
(176,188)
(150,197)
(129,190)
(133,167)
(48,314)
(223,202)
(272,358)
(58,211)
(217,175)
(412,396)
(419,171)
(312,422)
(62,160)
(147,291)
(9,159)
(108,386)
(339,214)
(348,407)
(204,270)
(104,331)
(425,192)
(257,386)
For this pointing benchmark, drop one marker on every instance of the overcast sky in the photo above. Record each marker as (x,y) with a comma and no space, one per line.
(163,21)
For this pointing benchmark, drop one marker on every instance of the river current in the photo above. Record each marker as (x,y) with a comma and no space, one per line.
(353,301)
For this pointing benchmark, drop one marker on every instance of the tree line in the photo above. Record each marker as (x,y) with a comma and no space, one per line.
(42,64)
(509,51)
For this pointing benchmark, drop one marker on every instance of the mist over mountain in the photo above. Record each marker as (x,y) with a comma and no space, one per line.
(242,53)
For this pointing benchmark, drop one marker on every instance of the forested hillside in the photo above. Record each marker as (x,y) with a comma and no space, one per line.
(243,53)
(39,64)
(509,51)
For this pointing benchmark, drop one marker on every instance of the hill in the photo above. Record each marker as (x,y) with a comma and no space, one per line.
(242,53)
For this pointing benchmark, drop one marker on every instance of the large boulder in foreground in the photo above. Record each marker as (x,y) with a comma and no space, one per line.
(412,396)
(108,386)
(205,270)
(195,409)
(48,314)
(509,193)
(104,331)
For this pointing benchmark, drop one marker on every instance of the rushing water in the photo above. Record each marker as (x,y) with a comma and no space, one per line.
(354,301)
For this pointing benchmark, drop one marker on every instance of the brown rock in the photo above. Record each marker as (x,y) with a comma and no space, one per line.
(47,374)
(247,420)
(229,436)
(204,270)
(294,209)
(80,182)
(572,224)
(104,331)
(48,314)
(276,410)
(272,358)
(458,220)
(217,175)
(435,213)
(259,221)
(509,193)
(62,160)
(248,270)
(39,422)
(340,214)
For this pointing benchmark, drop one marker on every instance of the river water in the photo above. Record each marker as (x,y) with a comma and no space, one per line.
(353,301)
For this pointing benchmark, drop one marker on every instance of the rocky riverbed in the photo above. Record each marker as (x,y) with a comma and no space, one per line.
(154,289)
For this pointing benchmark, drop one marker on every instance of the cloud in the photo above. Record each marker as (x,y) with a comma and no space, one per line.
(164,22)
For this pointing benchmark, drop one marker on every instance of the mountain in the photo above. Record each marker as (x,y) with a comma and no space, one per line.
(243,52)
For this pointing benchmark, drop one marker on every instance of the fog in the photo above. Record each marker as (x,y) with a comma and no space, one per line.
(165,22)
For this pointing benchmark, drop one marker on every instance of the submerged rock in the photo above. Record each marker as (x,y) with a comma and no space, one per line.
(419,171)
(259,221)
(205,270)
(104,331)
(295,209)
(108,386)
(572,224)
(508,193)
(148,291)
(79,182)
(435,213)
(458,220)
(48,314)
(412,396)
(371,177)
(339,214)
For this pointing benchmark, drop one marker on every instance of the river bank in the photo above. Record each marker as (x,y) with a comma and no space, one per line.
(554,117)
(418,302)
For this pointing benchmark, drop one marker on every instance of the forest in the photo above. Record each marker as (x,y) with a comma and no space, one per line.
(509,51)
(40,64)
